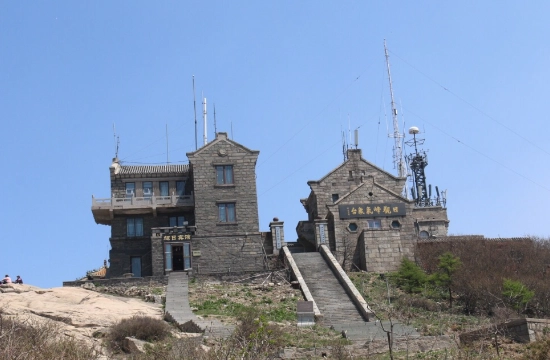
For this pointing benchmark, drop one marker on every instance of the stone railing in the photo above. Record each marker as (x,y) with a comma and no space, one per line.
(144,201)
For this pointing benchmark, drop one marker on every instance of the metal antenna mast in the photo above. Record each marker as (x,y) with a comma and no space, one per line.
(421,191)
(117,141)
(398,161)
(215,129)
(195,108)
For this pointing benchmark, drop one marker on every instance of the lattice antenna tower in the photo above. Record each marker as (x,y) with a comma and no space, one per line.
(398,160)
(420,191)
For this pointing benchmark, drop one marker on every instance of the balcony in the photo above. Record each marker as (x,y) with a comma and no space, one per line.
(104,209)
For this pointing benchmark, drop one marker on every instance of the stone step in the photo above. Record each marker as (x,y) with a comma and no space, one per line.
(332,299)
(177,310)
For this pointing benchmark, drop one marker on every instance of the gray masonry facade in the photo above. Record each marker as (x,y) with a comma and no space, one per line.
(201,217)
(365,220)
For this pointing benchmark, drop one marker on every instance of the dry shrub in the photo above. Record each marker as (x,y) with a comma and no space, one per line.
(141,327)
(538,350)
(174,349)
(486,262)
(25,339)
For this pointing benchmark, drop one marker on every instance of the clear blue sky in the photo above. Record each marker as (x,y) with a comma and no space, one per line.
(286,78)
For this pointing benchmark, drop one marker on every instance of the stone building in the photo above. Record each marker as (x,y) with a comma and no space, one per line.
(202,216)
(359,211)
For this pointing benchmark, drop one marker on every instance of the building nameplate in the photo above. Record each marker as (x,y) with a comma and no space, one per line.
(196,253)
(371,210)
(176,237)
(278,237)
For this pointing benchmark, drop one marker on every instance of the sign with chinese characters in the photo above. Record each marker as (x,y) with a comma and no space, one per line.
(176,237)
(278,237)
(322,233)
(371,210)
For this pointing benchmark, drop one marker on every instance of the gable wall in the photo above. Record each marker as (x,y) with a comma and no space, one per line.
(208,194)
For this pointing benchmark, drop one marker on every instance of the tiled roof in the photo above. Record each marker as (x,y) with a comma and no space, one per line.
(154,169)
(101,272)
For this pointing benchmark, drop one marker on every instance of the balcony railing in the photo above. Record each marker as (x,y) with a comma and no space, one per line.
(145,201)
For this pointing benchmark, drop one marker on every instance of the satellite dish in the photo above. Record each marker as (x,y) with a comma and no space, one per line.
(414,130)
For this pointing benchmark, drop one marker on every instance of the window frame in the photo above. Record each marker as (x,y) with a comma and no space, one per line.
(378,222)
(167,188)
(227,173)
(136,224)
(177,221)
(127,187)
(143,187)
(225,210)
(180,192)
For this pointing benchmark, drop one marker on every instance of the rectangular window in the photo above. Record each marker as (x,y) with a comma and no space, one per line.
(374,224)
(164,188)
(180,188)
(130,189)
(147,189)
(134,227)
(186,255)
(226,212)
(177,220)
(224,174)
(168,256)
(335,197)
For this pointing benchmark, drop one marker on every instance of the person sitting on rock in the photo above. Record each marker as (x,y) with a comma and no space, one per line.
(6,279)
(19,280)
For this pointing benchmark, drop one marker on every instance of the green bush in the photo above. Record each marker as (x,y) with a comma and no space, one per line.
(409,277)
(139,326)
(516,294)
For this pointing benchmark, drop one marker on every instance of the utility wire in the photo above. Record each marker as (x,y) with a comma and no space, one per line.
(300,168)
(479,152)
(314,117)
(472,105)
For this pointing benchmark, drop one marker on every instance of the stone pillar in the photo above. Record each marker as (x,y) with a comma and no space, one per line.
(277,234)
(157,253)
(321,233)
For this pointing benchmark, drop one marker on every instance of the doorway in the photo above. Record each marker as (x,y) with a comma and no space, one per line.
(177,257)
(135,269)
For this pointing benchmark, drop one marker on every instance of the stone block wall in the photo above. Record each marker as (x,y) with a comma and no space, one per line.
(118,226)
(347,177)
(121,252)
(208,194)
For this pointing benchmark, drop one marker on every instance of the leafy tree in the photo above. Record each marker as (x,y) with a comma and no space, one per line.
(410,277)
(517,294)
(447,266)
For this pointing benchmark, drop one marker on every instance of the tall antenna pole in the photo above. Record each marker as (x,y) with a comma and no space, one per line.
(195,108)
(167,158)
(205,133)
(215,129)
(398,161)
(117,142)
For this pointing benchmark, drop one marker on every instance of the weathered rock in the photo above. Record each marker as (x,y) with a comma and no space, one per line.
(134,346)
(84,314)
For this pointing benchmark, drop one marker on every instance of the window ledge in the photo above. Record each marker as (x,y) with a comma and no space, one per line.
(224,185)
(227,223)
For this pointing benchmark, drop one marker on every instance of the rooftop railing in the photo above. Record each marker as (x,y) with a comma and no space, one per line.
(143,201)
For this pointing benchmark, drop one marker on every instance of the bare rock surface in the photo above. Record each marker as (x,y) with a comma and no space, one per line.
(79,312)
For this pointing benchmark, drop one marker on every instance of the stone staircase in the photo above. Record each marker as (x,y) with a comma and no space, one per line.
(337,308)
(179,312)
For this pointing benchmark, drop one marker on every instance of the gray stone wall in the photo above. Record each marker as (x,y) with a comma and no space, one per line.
(208,194)
(347,177)
(118,226)
(121,252)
